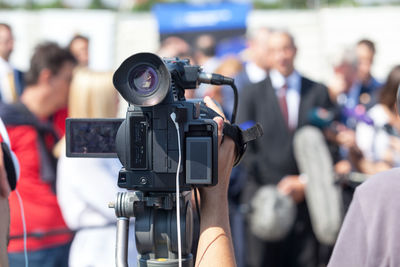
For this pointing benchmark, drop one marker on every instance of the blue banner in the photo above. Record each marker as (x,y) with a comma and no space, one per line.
(181,17)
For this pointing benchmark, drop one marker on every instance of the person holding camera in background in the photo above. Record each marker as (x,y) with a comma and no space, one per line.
(33,136)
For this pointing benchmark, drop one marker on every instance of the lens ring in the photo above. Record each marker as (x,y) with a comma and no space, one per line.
(143,79)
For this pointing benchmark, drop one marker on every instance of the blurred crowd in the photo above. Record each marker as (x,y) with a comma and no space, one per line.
(288,196)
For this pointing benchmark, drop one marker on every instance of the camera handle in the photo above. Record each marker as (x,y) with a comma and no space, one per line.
(155,228)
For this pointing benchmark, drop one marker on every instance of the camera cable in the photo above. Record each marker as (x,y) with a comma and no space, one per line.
(178,213)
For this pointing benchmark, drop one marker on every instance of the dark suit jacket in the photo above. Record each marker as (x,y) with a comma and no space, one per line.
(270,157)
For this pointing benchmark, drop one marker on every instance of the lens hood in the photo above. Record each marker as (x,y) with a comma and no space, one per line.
(142,79)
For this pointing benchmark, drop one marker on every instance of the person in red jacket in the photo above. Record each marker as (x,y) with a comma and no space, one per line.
(32,133)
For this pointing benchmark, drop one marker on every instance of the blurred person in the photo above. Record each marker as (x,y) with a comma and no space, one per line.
(173,46)
(86,185)
(379,142)
(253,70)
(347,87)
(256,66)
(79,47)
(228,67)
(345,75)
(258,61)
(33,136)
(369,235)
(204,50)
(281,103)
(347,99)
(11,79)
(366,82)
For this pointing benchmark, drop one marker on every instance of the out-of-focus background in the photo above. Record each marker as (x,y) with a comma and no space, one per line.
(118,29)
(352,128)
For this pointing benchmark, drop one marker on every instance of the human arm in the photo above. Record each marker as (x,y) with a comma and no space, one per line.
(4,185)
(293,186)
(4,211)
(215,243)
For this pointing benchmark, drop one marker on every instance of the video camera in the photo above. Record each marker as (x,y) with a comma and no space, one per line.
(146,141)
(161,129)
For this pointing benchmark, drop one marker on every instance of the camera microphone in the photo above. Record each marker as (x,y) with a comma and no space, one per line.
(213,78)
(217,79)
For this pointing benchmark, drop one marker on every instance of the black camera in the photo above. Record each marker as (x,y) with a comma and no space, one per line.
(163,137)
(147,140)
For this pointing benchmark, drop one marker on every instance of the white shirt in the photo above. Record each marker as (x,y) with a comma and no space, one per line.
(293,82)
(5,87)
(255,73)
(85,186)
(373,140)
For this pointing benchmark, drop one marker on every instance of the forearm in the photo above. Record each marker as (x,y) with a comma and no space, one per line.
(369,167)
(215,245)
(4,226)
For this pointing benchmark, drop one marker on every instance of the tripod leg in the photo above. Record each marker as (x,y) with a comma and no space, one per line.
(121,249)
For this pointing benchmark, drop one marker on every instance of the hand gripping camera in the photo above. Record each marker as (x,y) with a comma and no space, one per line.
(161,129)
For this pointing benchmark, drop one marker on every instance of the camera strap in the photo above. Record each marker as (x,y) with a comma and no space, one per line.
(242,137)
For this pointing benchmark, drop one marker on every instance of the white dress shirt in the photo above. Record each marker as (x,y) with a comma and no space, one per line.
(5,86)
(84,188)
(293,82)
(255,73)
(373,140)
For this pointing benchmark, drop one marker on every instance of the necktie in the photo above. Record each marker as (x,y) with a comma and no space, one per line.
(283,103)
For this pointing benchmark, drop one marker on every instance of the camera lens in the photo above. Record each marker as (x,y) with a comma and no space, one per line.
(143,79)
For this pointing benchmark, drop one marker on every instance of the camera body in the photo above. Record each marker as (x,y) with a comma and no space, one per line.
(147,141)
(147,146)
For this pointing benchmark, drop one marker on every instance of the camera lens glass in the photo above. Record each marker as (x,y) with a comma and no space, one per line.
(143,79)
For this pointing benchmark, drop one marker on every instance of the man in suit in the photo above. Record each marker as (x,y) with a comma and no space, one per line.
(367,85)
(11,79)
(281,103)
